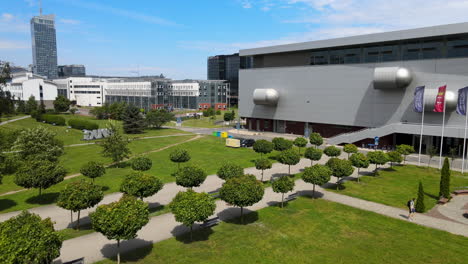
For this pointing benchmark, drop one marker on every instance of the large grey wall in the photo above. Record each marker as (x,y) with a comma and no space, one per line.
(344,94)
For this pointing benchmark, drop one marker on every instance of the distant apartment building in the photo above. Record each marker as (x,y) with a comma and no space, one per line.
(74,70)
(26,84)
(44,46)
(226,67)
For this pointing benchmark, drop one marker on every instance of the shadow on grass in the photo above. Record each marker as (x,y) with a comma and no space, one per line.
(6,204)
(105,188)
(45,198)
(333,186)
(199,234)
(431,195)
(130,250)
(310,194)
(120,165)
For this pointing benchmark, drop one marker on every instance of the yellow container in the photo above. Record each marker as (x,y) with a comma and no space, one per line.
(233,143)
(224,134)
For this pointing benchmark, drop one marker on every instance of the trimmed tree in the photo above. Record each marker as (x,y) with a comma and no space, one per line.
(431,151)
(316,139)
(189,207)
(359,161)
(141,185)
(445,180)
(263,164)
(313,154)
(300,142)
(142,164)
(133,122)
(61,104)
(190,176)
(263,146)
(120,220)
(27,238)
(420,207)
(229,170)
(289,157)
(242,191)
(283,185)
(317,175)
(157,118)
(79,195)
(394,156)
(93,170)
(115,146)
(38,143)
(179,156)
(281,144)
(40,174)
(340,168)
(405,150)
(332,151)
(377,158)
(350,149)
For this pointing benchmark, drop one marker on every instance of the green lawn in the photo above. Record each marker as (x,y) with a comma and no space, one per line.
(396,186)
(309,231)
(6,118)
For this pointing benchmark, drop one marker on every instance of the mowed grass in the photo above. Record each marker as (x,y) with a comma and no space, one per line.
(395,186)
(308,231)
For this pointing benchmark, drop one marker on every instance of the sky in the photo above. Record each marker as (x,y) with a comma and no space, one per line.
(175,37)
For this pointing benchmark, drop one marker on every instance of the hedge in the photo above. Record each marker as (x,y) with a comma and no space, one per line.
(82,124)
(51,119)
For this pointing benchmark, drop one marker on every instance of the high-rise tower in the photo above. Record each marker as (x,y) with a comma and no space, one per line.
(44,45)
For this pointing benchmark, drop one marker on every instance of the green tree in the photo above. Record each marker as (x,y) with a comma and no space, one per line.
(141,185)
(115,146)
(317,175)
(405,150)
(133,122)
(300,142)
(179,156)
(7,100)
(377,158)
(350,149)
(332,151)
(93,170)
(340,168)
(21,107)
(420,207)
(228,117)
(73,110)
(142,163)
(445,180)
(189,207)
(316,139)
(453,153)
(190,176)
(229,170)
(157,118)
(242,191)
(289,157)
(394,156)
(120,220)
(263,146)
(79,195)
(359,161)
(61,104)
(313,153)
(41,174)
(31,105)
(283,185)
(27,238)
(263,164)
(38,143)
(281,144)
(431,151)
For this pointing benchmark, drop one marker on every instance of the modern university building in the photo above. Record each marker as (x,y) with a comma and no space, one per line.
(353,89)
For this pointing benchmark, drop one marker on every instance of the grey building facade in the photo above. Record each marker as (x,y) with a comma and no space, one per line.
(74,70)
(44,46)
(348,89)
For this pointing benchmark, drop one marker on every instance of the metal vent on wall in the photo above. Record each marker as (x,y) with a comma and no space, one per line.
(265,97)
(392,77)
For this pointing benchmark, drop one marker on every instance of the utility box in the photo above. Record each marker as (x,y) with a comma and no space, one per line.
(232,142)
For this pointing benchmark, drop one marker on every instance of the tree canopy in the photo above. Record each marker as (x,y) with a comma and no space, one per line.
(405,150)
(157,118)
(115,146)
(263,164)
(142,163)
(316,139)
(38,143)
(141,185)
(317,175)
(283,185)
(61,104)
(179,156)
(281,144)
(93,170)
(340,168)
(133,122)
(41,174)
(190,176)
(289,157)
(359,161)
(350,149)
(300,142)
(444,187)
(263,146)
(377,158)
(332,151)
(229,170)
(313,154)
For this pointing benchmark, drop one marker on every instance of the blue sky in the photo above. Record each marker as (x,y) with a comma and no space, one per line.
(175,37)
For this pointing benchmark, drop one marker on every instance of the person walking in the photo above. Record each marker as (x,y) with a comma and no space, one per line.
(411,209)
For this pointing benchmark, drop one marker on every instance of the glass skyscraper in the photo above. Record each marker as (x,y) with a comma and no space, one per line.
(44,46)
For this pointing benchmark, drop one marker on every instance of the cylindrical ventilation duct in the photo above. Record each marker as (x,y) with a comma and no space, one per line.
(392,77)
(265,97)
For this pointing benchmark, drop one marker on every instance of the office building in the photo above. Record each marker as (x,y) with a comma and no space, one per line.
(26,84)
(356,88)
(44,46)
(74,70)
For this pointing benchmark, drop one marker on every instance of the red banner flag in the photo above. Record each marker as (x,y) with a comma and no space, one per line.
(440,100)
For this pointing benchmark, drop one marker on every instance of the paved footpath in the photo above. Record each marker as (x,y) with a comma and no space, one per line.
(13,120)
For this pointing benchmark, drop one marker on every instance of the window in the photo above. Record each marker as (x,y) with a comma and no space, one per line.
(432,49)
(457,47)
(336,57)
(389,53)
(319,58)
(352,55)
(371,54)
(411,50)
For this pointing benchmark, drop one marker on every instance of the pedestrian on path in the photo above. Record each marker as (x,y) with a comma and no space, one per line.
(411,208)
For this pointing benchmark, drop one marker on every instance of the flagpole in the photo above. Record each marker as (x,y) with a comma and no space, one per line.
(422,131)
(464,137)
(443,128)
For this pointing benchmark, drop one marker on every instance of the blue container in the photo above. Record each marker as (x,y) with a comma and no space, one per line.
(218,133)
(230,136)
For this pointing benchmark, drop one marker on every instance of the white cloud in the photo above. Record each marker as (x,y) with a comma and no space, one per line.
(10,45)
(246,4)
(6,17)
(13,24)
(70,21)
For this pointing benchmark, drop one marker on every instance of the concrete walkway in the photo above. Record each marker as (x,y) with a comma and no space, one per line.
(13,120)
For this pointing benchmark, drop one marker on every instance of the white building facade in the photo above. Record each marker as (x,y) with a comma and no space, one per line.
(24,85)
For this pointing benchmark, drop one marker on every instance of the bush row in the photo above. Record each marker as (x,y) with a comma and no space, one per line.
(82,124)
(51,119)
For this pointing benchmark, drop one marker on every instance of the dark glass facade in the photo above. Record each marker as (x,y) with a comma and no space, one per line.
(44,46)
(71,71)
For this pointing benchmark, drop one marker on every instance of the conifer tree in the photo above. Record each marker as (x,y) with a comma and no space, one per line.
(445,180)
(420,207)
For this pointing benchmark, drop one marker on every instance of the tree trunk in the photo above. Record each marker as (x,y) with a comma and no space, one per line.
(71,216)
(262,176)
(78,221)
(289,170)
(313,192)
(191,232)
(358,174)
(40,191)
(242,215)
(337,179)
(282,199)
(118,251)
(311,162)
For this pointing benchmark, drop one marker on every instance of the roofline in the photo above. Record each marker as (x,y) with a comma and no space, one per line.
(441,30)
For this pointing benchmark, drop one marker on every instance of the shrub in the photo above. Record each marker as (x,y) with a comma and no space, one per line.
(82,124)
(51,119)
(350,149)
(93,170)
(332,151)
(229,170)
(263,146)
(313,153)
(281,144)
(142,164)
(315,139)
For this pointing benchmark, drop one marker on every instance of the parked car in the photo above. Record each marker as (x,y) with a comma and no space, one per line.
(246,142)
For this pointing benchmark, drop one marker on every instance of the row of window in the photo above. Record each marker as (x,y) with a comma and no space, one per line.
(86,86)
(86,92)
